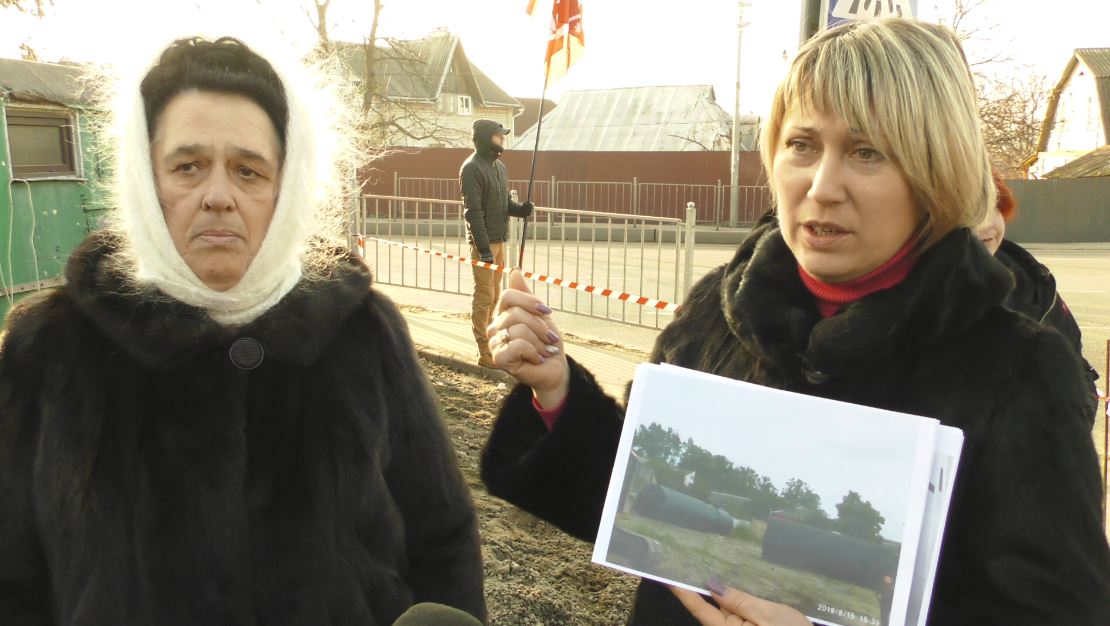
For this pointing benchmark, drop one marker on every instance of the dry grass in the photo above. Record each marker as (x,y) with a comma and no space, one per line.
(693,557)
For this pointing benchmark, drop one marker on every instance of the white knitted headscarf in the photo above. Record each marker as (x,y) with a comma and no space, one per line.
(307,182)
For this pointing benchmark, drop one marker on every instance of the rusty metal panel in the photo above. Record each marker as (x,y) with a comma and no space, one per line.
(688,168)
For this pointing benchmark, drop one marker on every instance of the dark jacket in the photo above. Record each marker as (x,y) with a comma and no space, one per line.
(1024,543)
(1035,292)
(145,479)
(1035,295)
(485,193)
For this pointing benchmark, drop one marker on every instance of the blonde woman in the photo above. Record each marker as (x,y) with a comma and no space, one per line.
(870,288)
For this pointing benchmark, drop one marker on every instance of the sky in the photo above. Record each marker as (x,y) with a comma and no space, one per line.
(834,447)
(628,42)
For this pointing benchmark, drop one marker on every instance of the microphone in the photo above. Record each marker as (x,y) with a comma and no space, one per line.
(432,614)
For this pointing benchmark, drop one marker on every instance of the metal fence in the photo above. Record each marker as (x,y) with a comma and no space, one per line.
(1061,210)
(448,189)
(643,255)
(626,198)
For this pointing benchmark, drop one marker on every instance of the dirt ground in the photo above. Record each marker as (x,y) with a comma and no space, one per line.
(535,574)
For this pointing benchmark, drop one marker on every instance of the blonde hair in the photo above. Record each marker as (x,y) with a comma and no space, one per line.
(906,86)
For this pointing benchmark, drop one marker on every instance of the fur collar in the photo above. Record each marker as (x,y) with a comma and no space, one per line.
(161,332)
(1035,294)
(954,284)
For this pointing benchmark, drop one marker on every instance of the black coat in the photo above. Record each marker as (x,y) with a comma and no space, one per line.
(484,182)
(1024,543)
(1035,292)
(146,480)
(1035,295)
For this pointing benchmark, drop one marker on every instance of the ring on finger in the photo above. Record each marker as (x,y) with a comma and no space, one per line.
(502,337)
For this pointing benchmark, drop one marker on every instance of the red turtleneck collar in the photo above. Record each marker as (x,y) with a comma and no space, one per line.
(832,297)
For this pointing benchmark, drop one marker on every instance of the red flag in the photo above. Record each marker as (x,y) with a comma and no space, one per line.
(568,41)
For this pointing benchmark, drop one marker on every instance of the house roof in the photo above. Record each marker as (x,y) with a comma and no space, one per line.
(1097,60)
(527,119)
(418,69)
(29,81)
(1094,163)
(668,118)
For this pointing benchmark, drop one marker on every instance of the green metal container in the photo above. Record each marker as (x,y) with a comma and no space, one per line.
(672,507)
(50,173)
(828,553)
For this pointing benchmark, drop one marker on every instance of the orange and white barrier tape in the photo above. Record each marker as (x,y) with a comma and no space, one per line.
(650,303)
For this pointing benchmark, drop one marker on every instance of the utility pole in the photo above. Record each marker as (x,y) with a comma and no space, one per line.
(734,199)
(811,19)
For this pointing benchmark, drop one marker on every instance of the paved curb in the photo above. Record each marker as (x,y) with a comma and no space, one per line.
(464,366)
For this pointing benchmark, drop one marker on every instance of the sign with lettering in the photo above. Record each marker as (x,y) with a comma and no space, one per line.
(840,11)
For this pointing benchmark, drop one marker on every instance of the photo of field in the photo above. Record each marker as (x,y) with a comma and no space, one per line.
(686,514)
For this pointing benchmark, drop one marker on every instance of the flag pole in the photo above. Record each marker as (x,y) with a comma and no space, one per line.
(532,173)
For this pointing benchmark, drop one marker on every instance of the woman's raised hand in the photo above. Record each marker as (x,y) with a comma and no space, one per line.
(526,344)
(738,609)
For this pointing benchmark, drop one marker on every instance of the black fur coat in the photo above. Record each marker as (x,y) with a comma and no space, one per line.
(1035,295)
(147,480)
(1024,542)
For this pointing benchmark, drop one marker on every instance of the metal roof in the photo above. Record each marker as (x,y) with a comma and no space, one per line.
(668,118)
(1094,163)
(418,69)
(29,81)
(527,118)
(1097,60)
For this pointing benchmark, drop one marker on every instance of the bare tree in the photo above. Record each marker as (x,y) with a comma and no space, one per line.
(973,27)
(32,7)
(320,23)
(371,91)
(27,53)
(388,120)
(701,146)
(1011,96)
(719,140)
(1012,113)
(36,8)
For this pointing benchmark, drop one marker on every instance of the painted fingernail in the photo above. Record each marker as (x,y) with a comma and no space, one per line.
(553,349)
(543,309)
(552,337)
(715,586)
(542,360)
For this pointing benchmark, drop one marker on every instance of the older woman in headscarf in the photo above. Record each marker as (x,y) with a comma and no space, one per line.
(218,420)
(869,288)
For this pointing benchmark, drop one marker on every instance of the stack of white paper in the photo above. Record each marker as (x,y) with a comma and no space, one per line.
(833,508)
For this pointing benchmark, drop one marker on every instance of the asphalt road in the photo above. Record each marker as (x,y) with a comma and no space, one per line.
(1083,280)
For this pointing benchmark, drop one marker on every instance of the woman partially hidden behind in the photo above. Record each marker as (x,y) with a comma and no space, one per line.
(217,420)
(869,288)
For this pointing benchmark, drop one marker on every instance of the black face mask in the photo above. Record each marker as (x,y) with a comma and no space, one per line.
(483,143)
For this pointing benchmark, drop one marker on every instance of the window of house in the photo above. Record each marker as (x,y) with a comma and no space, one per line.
(42,143)
(464,107)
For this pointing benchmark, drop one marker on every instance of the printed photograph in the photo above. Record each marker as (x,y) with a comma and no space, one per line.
(799,514)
